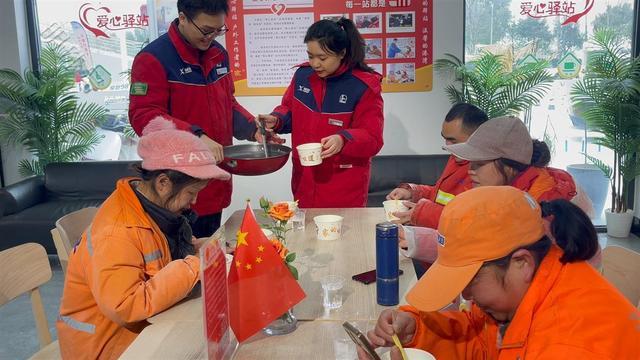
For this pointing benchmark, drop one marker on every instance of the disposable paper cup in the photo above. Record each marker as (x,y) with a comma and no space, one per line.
(391,206)
(310,154)
(412,354)
(329,227)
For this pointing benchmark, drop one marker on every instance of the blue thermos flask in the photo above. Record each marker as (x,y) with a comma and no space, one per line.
(387,267)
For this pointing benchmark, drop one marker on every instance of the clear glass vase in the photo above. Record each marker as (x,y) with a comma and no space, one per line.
(285,324)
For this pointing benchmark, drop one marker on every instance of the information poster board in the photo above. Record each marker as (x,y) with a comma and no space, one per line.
(266,40)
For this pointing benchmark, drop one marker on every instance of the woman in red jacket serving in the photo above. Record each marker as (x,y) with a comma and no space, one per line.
(333,99)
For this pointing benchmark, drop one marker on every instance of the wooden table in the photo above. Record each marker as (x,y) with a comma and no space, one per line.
(185,340)
(179,330)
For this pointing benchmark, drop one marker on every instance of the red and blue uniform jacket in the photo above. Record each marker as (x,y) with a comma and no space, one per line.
(194,89)
(348,103)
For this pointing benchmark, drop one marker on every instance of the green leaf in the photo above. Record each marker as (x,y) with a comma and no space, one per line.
(291,257)
(44,115)
(293,271)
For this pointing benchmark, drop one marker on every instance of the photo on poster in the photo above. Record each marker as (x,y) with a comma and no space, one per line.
(401,73)
(369,23)
(402,21)
(377,68)
(401,48)
(373,48)
(333,17)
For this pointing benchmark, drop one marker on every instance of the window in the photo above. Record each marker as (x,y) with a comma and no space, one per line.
(105,35)
(535,29)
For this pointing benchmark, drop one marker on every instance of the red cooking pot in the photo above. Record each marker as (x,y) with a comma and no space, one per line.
(250,159)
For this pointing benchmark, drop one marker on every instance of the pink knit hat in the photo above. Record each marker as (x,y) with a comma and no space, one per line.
(163,147)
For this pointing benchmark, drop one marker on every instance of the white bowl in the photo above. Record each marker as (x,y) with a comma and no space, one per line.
(310,154)
(391,206)
(412,354)
(329,226)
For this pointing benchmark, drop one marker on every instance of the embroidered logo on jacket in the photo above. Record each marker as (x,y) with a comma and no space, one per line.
(185,71)
(343,99)
(304,89)
(440,239)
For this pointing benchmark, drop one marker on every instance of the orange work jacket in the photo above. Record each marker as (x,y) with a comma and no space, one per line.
(119,274)
(569,312)
(454,180)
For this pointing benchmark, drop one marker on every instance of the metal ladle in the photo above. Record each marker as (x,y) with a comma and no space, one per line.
(263,132)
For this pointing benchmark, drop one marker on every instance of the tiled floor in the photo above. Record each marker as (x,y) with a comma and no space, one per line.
(18,339)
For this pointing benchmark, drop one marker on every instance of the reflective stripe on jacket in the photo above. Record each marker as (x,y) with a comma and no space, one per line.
(454,180)
(569,312)
(119,274)
(348,103)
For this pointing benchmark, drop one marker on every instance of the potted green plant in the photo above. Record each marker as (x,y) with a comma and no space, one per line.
(43,113)
(493,85)
(609,99)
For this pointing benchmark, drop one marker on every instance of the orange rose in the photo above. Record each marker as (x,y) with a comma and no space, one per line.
(280,249)
(281,212)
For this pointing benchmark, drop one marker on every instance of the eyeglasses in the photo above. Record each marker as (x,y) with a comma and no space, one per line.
(214,32)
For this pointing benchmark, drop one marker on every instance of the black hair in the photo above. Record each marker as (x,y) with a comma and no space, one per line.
(191,8)
(572,230)
(339,36)
(471,115)
(178,180)
(541,157)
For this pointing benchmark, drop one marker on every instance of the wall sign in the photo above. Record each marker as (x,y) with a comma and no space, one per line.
(266,40)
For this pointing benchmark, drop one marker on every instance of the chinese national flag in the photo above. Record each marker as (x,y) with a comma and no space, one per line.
(261,288)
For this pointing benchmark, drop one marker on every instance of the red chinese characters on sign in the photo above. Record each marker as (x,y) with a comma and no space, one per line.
(95,19)
(572,10)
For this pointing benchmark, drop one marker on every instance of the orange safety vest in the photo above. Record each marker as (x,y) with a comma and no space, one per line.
(119,274)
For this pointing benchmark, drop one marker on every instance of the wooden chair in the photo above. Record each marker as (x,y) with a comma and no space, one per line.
(621,267)
(23,269)
(68,230)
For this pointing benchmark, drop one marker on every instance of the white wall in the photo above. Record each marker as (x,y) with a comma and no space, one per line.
(14,55)
(412,120)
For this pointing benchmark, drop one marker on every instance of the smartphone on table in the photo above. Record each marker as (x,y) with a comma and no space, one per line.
(368,277)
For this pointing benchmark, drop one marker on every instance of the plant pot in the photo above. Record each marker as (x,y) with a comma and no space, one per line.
(285,324)
(619,224)
(593,181)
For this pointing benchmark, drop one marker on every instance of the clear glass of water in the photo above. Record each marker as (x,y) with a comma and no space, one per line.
(332,291)
(298,220)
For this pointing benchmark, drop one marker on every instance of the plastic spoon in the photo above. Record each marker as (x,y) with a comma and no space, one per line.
(397,342)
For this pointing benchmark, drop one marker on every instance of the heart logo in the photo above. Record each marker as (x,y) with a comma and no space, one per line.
(83,14)
(542,6)
(278,9)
